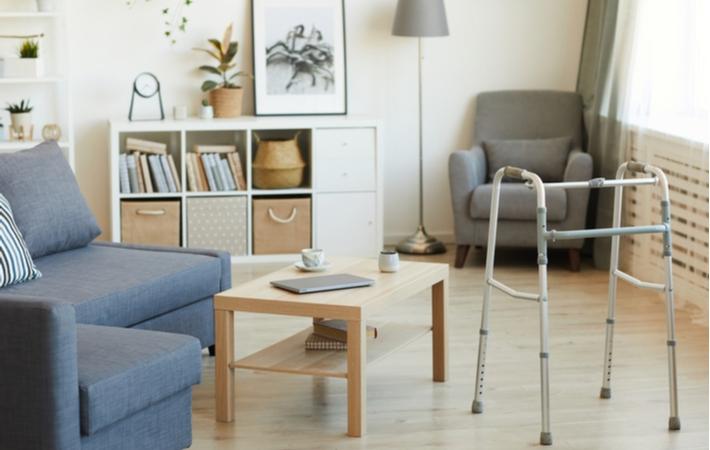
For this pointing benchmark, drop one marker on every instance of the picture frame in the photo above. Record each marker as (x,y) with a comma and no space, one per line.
(299,57)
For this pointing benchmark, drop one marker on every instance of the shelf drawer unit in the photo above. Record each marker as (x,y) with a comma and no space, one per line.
(218,223)
(345,159)
(281,225)
(150,222)
(338,207)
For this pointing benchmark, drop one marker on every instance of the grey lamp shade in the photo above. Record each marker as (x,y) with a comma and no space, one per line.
(420,18)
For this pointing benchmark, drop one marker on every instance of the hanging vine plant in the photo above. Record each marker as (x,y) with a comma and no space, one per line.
(174,18)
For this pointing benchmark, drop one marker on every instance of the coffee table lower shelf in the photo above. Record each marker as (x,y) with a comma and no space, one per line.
(291,356)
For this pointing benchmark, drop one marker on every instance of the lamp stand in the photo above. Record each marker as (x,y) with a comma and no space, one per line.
(420,243)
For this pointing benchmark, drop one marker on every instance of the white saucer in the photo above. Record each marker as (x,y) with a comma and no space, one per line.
(300,266)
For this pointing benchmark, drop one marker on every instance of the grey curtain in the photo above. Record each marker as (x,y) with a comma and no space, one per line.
(600,82)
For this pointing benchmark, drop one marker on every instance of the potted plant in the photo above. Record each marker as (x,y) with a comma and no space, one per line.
(28,65)
(206,112)
(21,127)
(225,95)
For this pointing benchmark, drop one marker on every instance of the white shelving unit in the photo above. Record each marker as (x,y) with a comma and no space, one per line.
(343,176)
(50,94)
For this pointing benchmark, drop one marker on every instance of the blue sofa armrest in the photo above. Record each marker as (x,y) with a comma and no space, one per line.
(225,257)
(39,394)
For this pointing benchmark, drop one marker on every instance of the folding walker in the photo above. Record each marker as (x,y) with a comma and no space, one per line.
(543,235)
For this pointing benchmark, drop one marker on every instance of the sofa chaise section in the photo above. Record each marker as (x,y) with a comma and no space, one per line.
(66,386)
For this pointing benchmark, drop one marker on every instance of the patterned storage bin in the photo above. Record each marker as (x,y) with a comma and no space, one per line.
(218,223)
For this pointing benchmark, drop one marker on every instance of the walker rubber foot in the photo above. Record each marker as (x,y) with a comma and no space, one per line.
(545,438)
(605,393)
(477,407)
(674,423)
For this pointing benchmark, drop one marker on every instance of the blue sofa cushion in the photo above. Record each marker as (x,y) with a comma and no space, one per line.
(115,286)
(45,198)
(122,372)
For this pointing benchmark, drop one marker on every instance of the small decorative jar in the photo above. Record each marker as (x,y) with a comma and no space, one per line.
(388,261)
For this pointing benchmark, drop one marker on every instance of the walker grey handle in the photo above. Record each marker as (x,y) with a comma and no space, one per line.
(635,166)
(513,172)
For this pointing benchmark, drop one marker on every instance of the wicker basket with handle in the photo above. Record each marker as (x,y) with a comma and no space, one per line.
(227,102)
(278,163)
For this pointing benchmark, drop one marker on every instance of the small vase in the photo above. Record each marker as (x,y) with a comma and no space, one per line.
(21,128)
(227,102)
(207,112)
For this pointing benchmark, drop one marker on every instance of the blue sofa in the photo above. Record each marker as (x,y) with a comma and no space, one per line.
(101,351)
(89,357)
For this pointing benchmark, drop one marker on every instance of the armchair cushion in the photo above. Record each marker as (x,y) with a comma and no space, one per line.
(16,265)
(122,372)
(545,157)
(45,198)
(518,202)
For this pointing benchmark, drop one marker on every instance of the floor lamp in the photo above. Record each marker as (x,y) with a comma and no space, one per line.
(420,18)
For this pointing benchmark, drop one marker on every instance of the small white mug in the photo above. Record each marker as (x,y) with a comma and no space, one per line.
(313,257)
(388,261)
(180,112)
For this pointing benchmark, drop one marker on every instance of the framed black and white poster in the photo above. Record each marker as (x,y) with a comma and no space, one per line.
(299,57)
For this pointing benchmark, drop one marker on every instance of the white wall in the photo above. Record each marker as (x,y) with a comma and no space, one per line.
(499,44)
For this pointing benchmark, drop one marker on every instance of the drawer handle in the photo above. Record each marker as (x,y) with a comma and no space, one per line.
(275,218)
(150,212)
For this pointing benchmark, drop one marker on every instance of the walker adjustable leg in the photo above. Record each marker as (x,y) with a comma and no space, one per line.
(674,420)
(613,266)
(545,434)
(477,405)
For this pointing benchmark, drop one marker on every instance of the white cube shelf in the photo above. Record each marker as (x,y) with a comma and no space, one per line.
(343,177)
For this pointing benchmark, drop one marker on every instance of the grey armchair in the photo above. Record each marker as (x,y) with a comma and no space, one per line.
(518,115)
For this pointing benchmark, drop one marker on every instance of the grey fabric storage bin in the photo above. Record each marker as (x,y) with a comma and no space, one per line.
(218,223)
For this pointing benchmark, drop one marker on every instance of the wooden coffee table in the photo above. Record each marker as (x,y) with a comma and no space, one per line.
(351,305)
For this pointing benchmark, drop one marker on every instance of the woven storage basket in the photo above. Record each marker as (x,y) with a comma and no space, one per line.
(227,102)
(278,164)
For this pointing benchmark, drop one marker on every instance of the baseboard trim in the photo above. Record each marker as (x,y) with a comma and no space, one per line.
(447,237)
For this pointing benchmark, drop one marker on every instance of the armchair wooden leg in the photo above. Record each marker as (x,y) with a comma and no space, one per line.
(575,259)
(461,254)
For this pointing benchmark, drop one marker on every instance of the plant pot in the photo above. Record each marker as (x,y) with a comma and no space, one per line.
(21,67)
(207,112)
(21,128)
(46,5)
(227,102)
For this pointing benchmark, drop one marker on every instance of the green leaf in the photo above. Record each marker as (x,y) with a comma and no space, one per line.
(241,73)
(215,43)
(209,52)
(231,52)
(209,85)
(210,69)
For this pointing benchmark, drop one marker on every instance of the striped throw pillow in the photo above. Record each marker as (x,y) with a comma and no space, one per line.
(16,265)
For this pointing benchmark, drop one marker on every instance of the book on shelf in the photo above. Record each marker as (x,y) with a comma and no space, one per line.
(215,149)
(209,174)
(124,182)
(132,173)
(167,173)
(190,174)
(156,171)
(146,174)
(316,342)
(145,146)
(174,173)
(139,172)
(202,183)
(337,330)
(226,174)
(236,165)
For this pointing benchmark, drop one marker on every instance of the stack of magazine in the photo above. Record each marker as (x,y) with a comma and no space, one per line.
(214,168)
(146,167)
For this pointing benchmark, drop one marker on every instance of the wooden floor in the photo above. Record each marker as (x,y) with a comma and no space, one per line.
(407,411)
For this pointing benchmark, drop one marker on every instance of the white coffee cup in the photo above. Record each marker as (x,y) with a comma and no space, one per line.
(388,261)
(312,257)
